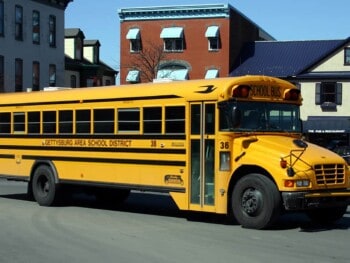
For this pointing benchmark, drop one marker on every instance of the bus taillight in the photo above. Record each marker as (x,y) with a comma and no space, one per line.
(241,91)
(291,94)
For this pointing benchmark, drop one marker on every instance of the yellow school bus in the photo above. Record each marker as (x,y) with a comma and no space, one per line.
(227,146)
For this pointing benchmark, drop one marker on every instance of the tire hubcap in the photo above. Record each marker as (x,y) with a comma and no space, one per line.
(251,201)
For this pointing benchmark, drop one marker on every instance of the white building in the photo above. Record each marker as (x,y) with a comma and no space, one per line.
(31,44)
(84,68)
(321,68)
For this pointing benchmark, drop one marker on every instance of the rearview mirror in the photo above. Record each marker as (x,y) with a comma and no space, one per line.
(236,117)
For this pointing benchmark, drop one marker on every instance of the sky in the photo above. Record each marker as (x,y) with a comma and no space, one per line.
(283,19)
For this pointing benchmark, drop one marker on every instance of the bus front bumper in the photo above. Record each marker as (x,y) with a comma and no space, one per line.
(311,200)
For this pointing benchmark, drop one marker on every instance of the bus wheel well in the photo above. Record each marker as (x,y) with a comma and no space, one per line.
(241,172)
(37,164)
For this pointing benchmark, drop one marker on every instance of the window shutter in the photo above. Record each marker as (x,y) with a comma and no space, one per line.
(318,94)
(339,93)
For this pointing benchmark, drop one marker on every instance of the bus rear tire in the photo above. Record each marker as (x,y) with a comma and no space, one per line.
(45,190)
(256,201)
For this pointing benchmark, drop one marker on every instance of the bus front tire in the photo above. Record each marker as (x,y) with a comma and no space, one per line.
(44,186)
(256,201)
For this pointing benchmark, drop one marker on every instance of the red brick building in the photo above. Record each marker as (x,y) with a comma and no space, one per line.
(186,42)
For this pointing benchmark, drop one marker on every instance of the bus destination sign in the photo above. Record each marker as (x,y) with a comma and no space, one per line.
(265,92)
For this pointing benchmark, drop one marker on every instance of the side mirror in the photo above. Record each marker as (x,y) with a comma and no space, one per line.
(236,117)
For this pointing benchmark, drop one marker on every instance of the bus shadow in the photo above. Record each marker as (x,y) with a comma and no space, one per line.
(163,205)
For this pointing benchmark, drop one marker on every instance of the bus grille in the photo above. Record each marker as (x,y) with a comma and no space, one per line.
(330,174)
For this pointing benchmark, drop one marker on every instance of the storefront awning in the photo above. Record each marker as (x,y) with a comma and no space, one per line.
(172,32)
(327,124)
(212,31)
(212,74)
(133,33)
(133,76)
(178,74)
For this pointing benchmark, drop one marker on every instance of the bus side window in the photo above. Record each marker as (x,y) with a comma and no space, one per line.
(129,120)
(82,121)
(19,121)
(210,118)
(104,121)
(175,119)
(5,122)
(65,121)
(152,120)
(33,122)
(49,122)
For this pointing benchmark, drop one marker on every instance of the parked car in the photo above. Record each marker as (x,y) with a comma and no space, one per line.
(343,151)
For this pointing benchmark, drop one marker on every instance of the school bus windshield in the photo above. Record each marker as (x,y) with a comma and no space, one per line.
(259,116)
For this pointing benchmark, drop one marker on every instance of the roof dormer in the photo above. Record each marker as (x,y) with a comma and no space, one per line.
(74,41)
(92,51)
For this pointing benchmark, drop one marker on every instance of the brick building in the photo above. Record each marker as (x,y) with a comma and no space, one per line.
(186,42)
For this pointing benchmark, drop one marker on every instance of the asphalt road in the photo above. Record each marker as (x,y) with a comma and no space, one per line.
(149,228)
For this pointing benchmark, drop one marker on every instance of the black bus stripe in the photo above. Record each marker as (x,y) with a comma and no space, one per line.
(94,149)
(7,156)
(90,101)
(96,136)
(105,160)
(159,189)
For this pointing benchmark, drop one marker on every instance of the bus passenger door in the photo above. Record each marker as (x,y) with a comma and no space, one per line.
(202,153)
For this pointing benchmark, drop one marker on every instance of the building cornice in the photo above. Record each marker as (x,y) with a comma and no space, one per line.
(60,4)
(175,12)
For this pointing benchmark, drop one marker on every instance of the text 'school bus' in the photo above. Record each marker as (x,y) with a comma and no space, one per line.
(228,146)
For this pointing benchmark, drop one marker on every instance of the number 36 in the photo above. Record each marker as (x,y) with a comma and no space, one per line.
(224,145)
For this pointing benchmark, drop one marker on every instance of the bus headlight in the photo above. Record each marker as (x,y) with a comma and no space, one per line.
(302,183)
(225,161)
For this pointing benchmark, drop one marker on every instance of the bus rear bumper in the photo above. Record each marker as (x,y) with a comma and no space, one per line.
(311,200)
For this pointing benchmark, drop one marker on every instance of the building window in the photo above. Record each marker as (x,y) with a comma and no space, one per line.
(135,45)
(213,43)
(212,34)
(96,55)
(18,75)
(36,75)
(36,27)
(19,22)
(173,72)
(347,56)
(73,81)
(173,44)
(78,48)
(2,71)
(212,74)
(173,39)
(52,75)
(2,26)
(52,31)
(133,76)
(328,94)
(135,40)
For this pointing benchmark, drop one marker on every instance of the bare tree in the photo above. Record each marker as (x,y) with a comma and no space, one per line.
(147,60)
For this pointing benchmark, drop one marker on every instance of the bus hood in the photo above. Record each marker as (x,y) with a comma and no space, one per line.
(270,150)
